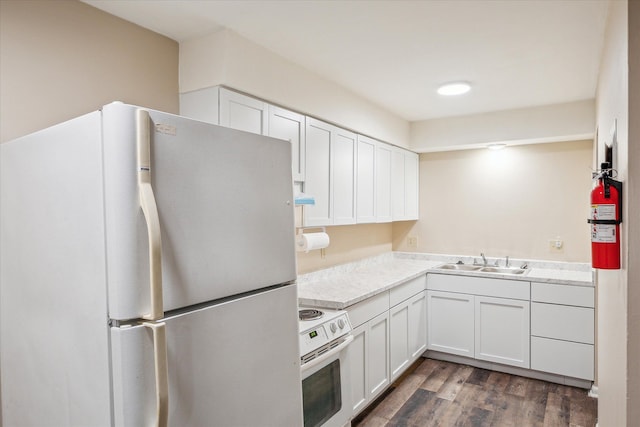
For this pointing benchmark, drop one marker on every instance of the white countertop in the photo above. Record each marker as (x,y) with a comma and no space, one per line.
(342,286)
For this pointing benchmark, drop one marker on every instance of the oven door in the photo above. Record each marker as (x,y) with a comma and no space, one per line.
(326,393)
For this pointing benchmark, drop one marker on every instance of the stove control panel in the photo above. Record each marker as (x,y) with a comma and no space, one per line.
(323,332)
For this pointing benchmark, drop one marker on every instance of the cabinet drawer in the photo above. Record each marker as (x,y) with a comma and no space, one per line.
(368,309)
(500,288)
(562,322)
(407,290)
(582,296)
(562,357)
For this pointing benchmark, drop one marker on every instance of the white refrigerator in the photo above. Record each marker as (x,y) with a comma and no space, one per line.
(147,275)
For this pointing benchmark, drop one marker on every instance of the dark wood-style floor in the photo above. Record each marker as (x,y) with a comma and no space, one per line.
(436,393)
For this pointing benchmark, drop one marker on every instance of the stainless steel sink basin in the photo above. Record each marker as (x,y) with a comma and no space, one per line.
(503,270)
(481,269)
(461,267)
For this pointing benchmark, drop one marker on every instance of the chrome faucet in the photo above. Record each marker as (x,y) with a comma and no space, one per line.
(484,260)
(506,262)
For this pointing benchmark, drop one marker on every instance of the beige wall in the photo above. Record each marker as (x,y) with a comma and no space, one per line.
(619,290)
(348,243)
(229,59)
(507,202)
(550,123)
(60,59)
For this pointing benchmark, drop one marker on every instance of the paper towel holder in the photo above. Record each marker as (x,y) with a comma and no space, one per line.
(301,230)
(299,236)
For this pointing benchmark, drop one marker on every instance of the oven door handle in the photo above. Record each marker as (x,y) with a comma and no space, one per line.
(327,355)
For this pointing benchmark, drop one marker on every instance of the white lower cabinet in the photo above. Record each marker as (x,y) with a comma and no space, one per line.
(502,331)
(369,352)
(563,329)
(450,323)
(386,340)
(369,361)
(407,322)
(378,354)
(478,317)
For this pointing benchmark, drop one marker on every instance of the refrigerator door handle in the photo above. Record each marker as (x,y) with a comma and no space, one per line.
(161,372)
(150,210)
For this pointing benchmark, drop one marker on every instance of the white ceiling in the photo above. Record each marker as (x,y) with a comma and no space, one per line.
(515,53)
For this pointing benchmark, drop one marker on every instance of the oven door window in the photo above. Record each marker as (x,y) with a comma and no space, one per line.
(321,395)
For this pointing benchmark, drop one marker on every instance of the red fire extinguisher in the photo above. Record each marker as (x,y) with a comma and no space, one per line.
(606,216)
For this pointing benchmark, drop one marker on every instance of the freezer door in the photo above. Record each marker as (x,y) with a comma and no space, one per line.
(231,364)
(224,200)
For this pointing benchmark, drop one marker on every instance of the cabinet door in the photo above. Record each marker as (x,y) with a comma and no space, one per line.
(407,333)
(378,354)
(417,325)
(330,174)
(318,173)
(568,358)
(366,180)
(397,184)
(399,356)
(344,176)
(383,182)
(201,105)
(450,323)
(502,331)
(243,112)
(411,184)
(358,364)
(288,125)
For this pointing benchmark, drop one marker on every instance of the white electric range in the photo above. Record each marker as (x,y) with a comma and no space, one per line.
(326,392)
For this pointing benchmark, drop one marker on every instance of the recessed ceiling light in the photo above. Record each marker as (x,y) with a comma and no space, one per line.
(454,88)
(496,146)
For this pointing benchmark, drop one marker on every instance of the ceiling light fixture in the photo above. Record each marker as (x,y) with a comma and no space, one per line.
(454,88)
(496,146)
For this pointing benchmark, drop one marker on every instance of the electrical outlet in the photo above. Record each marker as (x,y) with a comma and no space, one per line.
(556,245)
(412,242)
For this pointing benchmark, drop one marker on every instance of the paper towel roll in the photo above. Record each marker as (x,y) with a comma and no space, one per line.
(311,241)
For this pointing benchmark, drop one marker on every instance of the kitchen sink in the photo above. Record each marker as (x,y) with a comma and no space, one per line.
(481,269)
(503,270)
(461,267)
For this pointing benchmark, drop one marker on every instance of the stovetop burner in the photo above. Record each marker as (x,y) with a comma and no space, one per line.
(309,314)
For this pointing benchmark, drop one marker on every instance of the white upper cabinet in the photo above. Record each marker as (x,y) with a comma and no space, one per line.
(243,112)
(353,178)
(290,126)
(366,180)
(397,184)
(201,105)
(383,182)
(411,179)
(318,173)
(330,174)
(344,176)
(404,184)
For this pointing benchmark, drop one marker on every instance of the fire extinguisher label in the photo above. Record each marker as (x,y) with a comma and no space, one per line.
(603,233)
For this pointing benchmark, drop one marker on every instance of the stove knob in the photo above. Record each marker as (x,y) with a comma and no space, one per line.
(333,327)
(341,323)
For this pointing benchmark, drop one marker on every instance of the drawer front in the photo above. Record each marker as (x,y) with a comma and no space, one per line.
(368,309)
(562,322)
(499,288)
(583,296)
(562,357)
(407,290)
